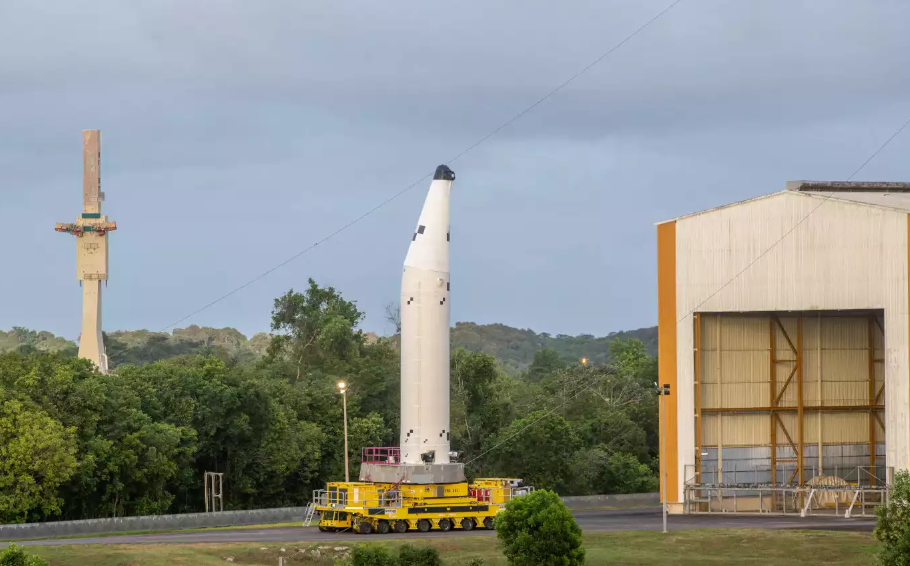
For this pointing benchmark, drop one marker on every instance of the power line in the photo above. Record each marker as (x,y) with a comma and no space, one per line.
(594,381)
(798,224)
(464,152)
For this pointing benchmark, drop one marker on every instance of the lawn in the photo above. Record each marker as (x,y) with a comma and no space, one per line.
(698,547)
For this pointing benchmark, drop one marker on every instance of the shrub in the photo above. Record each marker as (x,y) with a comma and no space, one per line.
(372,555)
(423,556)
(15,556)
(538,530)
(892,527)
(476,562)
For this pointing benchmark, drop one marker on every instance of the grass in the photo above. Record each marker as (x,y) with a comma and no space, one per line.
(163,531)
(681,548)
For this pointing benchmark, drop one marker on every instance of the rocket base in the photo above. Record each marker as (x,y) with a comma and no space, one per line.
(413,473)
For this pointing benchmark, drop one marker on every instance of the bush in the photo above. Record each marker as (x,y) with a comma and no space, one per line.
(476,562)
(372,555)
(538,530)
(15,556)
(892,527)
(423,556)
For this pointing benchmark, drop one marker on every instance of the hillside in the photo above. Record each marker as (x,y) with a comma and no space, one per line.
(513,347)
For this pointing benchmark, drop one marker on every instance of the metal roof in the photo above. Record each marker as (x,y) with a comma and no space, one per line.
(894,196)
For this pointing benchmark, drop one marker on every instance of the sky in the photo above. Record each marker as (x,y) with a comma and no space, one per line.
(236,134)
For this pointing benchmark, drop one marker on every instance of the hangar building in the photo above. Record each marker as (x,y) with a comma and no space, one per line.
(785,338)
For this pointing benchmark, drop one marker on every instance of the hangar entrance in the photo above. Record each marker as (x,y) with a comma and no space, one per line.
(791,402)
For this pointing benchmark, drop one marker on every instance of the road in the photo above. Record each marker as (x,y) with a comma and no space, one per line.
(594,520)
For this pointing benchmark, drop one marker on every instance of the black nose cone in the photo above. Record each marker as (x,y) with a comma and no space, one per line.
(443,173)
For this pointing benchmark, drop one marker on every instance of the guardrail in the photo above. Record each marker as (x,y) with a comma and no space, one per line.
(254,517)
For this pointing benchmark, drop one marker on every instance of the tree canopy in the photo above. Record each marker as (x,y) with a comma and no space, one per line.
(265,412)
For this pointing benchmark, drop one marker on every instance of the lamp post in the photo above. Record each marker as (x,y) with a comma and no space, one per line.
(663,392)
(342,386)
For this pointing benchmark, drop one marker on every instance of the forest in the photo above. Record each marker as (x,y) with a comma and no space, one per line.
(265,411)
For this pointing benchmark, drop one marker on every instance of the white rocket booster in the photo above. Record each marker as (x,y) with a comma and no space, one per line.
(425,347)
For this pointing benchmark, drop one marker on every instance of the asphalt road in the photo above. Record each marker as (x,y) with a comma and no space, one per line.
(596,520)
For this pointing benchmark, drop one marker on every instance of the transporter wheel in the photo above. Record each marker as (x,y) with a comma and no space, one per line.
(445,525)
(468,524)
(401,527)
(382,527)
(365,528)
(423,525)
(488,523)
(323,529)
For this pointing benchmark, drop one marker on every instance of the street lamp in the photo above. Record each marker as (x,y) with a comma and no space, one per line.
(663,392)
(342,386)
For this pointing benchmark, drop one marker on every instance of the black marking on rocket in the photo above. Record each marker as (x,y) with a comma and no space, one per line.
(447,236)
(409,302)
(421,228)
(447,286)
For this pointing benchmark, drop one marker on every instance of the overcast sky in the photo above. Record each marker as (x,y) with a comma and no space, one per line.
(237,133)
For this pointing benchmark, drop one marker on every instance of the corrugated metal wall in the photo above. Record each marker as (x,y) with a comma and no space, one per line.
(736,377)
(841,256)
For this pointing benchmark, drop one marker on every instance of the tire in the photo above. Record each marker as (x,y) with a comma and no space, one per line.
(424,525)
(445,525)
(365,528)
(468,524)
(382,527)
(488,523)
(401,527)
(323,529)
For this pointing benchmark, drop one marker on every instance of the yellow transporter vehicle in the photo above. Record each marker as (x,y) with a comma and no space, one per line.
(367,507)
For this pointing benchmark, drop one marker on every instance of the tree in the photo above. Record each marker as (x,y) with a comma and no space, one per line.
(37,454)
(315,326)
(545,362)
(892,527)
(15,556)
(393,316)
(538,530)
(535,448)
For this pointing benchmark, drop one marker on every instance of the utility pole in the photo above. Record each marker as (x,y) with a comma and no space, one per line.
(344,401)
(663,392)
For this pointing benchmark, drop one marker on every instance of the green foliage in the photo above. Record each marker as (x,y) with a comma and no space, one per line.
(892,527)
(37,454)
(267,414)
(27,341)
(418,556)
(476,562)
(516,348)
(16,556)
(372,555)
(538,530)
(536,449)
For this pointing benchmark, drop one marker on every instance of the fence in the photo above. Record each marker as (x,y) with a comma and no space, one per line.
(152,523)
(241,518)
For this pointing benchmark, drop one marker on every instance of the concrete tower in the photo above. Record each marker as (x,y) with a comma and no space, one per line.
(91,230)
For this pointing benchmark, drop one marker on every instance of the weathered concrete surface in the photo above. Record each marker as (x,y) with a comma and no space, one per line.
(151,523)
(612,501)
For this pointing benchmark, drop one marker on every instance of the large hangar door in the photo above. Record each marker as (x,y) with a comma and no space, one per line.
(789,398)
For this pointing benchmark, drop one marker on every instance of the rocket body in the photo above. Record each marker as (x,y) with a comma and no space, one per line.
(425,348)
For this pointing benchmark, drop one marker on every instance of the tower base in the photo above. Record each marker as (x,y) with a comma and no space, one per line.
(413,473)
